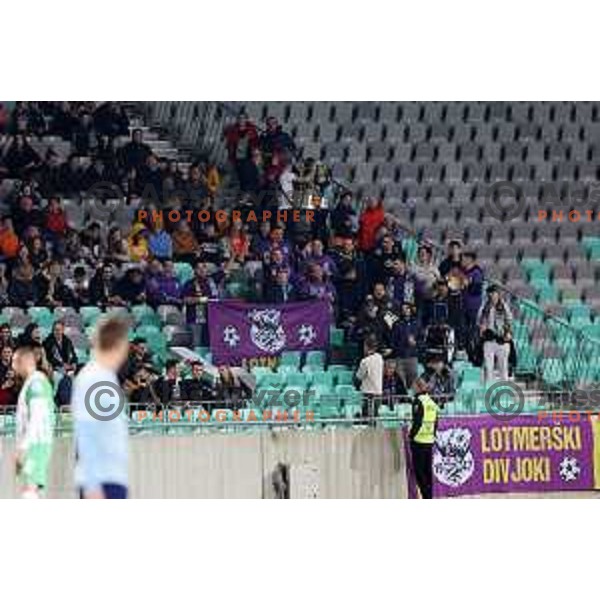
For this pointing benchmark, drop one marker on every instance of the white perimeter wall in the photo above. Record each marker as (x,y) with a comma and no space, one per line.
(325,464)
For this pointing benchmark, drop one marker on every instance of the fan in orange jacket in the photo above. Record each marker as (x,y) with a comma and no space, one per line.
(9,241)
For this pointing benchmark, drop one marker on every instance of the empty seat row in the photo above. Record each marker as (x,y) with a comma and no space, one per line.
(428,112)
(325,132)
(535,153)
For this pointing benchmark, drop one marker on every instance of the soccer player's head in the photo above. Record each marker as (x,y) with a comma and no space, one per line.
(111,342)
(24,361)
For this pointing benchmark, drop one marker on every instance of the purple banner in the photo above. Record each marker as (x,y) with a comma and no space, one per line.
(480,455)
(240,331)
(532,453)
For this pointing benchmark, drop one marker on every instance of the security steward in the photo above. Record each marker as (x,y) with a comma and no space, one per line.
(422,436)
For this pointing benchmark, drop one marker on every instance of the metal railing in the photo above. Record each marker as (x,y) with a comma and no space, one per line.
(384,412)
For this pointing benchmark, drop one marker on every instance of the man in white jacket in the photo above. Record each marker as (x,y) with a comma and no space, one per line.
(370,375)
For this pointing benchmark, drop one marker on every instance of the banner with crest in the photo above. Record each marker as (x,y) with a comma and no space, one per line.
(530,453)
(240,331)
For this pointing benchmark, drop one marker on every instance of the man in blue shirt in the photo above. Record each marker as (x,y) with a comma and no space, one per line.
(101,429)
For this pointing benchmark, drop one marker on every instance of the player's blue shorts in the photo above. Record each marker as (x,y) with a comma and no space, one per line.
(112,491)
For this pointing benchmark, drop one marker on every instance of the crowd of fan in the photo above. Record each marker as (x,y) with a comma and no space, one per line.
(348,255)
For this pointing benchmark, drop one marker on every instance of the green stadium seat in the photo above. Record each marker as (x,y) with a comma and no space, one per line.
(145,315)
(345,391)
(259,371)
(329,402)
(315,357)
(403,411)
(471,375)
(184,271)
(520,330)
(149,332)
(530,265)
(552,371)
(312,368)
(539,279)
(388,418)
(82,354)
(322,378)
(334,368)
(592,370)
(297,379)
(336,337)
(591,246)
(41,315)
(156,342)
(89,314)
(344,378)
(410,248)
(272,380)
(290,358)
(526,359)
(579,313)
(546,294)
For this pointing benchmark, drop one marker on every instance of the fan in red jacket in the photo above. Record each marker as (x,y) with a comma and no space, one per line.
(371,219)
(56,220)
(241,139)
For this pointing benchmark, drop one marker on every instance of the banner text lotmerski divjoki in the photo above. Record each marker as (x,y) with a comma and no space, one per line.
(479,455)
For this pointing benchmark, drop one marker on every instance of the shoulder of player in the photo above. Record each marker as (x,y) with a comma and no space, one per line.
(39,384)
(40,378)
(91,374)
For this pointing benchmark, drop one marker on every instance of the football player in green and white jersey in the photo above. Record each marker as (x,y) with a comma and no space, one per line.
(35,417)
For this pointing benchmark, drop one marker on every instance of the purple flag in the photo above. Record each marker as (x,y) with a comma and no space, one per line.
(478,455)
(240,330)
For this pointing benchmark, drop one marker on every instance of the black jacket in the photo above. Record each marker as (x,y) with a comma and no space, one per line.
(59,354)
(276,294)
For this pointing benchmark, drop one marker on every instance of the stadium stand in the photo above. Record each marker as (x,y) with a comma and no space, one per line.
(391,182)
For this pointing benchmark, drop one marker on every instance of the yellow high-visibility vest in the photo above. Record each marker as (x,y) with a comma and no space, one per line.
(426,433)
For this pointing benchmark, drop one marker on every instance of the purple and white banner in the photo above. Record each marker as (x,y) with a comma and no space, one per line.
(530,453)
(241,331)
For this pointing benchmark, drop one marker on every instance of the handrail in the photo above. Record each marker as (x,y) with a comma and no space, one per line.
(182,409)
